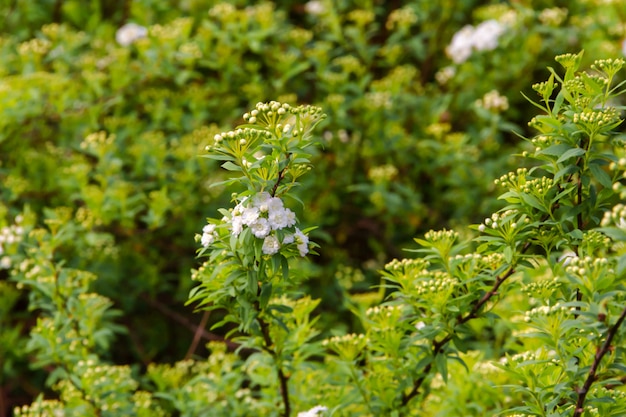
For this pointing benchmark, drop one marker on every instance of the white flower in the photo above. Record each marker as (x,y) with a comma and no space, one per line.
(208,235)
(483,37)
(260,228)
(207,240)
(420,325)
(302,242)
(129,33)
(314,7)
(249,215)
(261,199)
(282,218)
(460,48)
(288,239)
(313,412)
(5,262)
(236,225)
(567,257)
(270,245)
(486,34)
(275,204)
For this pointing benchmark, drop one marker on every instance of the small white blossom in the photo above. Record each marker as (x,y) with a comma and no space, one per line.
(260,228)
(567,257)
(270,245)
(302,242)
(208,235)
(314,7)
(460,48)
(313,412)
(249,215)
(129,33)
(282,218)
(483,37)
(236,225)
(5,262)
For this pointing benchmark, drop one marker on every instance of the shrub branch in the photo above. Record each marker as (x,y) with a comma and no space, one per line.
(606,346)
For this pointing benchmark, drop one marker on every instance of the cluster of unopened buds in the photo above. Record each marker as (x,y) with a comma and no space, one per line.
(441,283)
(596,118)
(589,266)
(545,311)
(493,101)
(498,220)
(385,317)
(473,261)
(348,346)
(406,265)
(617,217)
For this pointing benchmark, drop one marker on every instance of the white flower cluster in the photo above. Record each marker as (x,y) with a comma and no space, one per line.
(129,33)
(263,215)
(483,37)
(493,101)
(8,236)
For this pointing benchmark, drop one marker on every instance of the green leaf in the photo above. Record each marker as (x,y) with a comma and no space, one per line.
(600,175)
(571,153)
(533,201)
(266,294)
(441,364)
(555,150)
(231,166)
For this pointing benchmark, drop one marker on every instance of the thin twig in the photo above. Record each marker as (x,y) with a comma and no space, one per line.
(281,175)
(182,320)
(439,345)
(606,346)
(284,387)
(198,334)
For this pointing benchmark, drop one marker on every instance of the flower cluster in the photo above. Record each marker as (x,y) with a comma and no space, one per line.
(483,37)
(129,33)
(493,101)
(263,215)
(617,217)
(544,311)
(407,266)
(505,218)
(10,235)
(553,16)
(441,283)
(385,317)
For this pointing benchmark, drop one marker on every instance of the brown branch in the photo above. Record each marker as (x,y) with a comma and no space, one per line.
(281,176)
(606,346)
(3,406)
(439,345)
(283,379)
(182,320)
(198,334)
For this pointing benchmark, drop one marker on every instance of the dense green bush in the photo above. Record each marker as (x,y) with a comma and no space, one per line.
(103,190)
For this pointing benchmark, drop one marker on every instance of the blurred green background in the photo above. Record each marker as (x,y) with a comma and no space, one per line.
(106,134)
